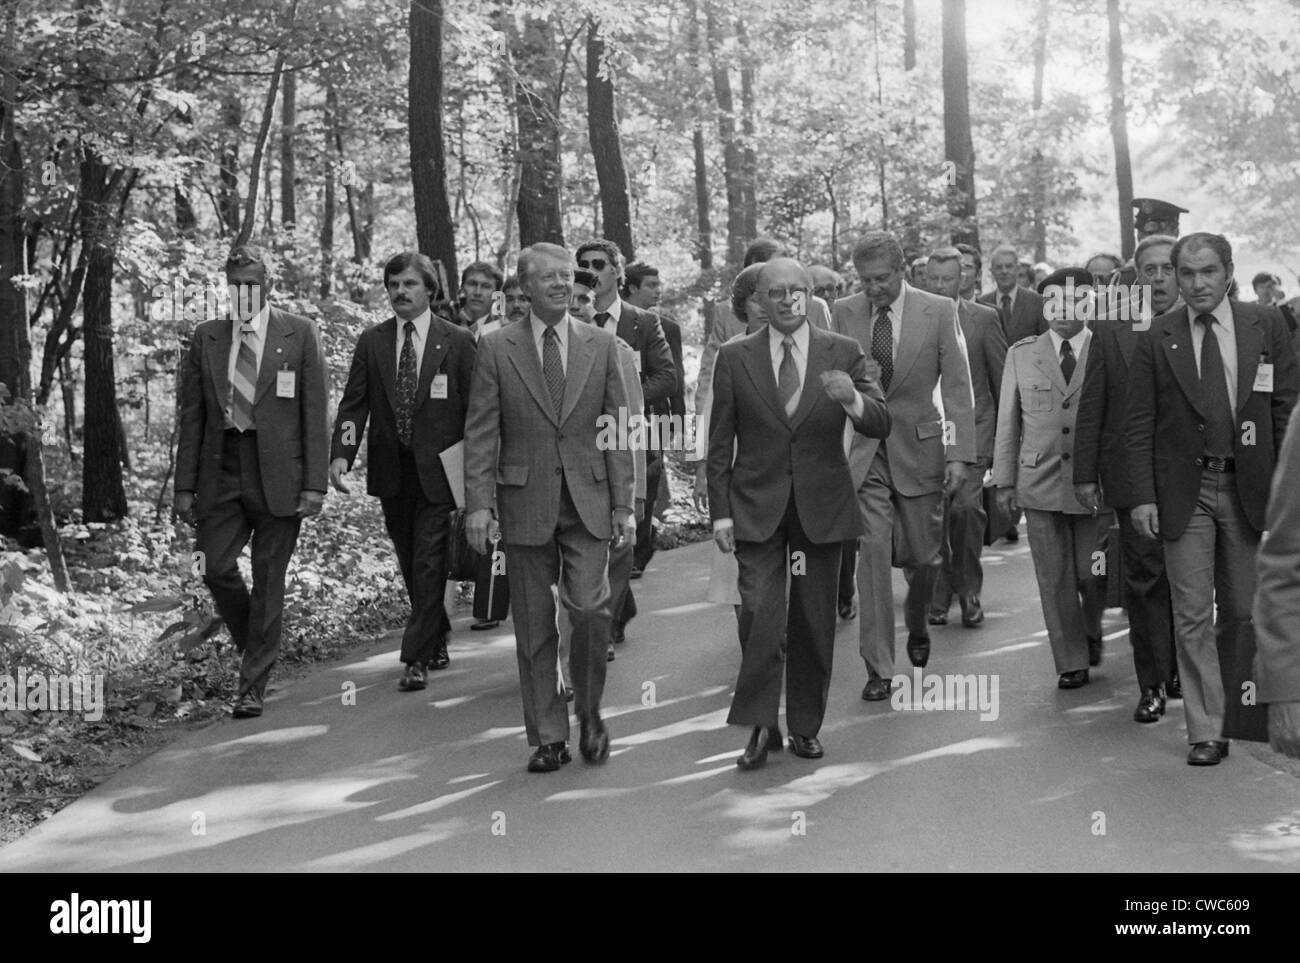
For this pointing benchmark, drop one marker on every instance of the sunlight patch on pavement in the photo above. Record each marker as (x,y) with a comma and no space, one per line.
(707,722)
(1106,705)
(470,778)
(1278,842)
(684,609)
(364,856)
(454,701)
(435,804)
(613,711)
(1003,649)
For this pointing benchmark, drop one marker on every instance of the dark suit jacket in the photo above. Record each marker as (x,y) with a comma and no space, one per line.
(1026,313)
(757,454)
(641,330)
(1101,443)
(370,396)
(676,402)
(1277,599)
(517,450)
(986,350)
(1165,425)
(292,433)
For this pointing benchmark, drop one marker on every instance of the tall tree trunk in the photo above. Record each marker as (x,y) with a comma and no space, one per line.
(232,114)
(103,496)
(1040,186)
(1119,128)
(881,153)
(360,239)
(748,154)
(704,242)
(512,169)
(330,202)
(732,154)
(259,146)
(958,147)
(541,174)
(434,230)
(602,126)
(909,34)
(288,165)
(15,345)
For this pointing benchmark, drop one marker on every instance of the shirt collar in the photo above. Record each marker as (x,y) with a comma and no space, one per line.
(999,294)
(539,327)
(257,322)
(896,308)
(1222,313)
(800,335)
(1076,343)
(422,322)
(615,311)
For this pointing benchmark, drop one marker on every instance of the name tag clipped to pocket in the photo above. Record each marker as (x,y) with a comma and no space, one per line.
(438,387)
(286,381)
(1263,377)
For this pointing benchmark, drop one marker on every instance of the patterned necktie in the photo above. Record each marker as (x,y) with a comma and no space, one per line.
(406,385)
(1067,361)
(244,386)
(553,367)
(788,382)
(1214,393)
(882,346)
(1005,314)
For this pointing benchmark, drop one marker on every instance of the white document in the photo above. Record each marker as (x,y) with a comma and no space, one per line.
(453,463)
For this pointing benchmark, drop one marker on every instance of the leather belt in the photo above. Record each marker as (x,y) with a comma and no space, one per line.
(1210,463)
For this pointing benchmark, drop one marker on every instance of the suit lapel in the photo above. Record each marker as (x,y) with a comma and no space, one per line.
(1176,342)
(582,357)
(1126,339)
(758,364)
(523,355)
(912,331)
(387,360)
(1045,360)
(1080,367)
(436,344)
(819,360)
(219,359)
(1250,344)
(277,335)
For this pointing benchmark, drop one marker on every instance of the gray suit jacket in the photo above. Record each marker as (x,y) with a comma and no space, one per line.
(1034,452)
(986,348)
(930,347)
(517,450)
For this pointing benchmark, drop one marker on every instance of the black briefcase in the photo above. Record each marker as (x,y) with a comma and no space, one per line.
(998,522)
(462,560)
(1244,717)
(491,590)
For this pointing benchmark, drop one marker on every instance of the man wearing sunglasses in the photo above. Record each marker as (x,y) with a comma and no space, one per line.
(653,360)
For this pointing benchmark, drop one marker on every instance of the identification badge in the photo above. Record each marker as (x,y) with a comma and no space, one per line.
(1263,378)
(285,381)
(636,361)
(438,387)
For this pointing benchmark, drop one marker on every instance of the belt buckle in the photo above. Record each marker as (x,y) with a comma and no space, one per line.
(1216,464)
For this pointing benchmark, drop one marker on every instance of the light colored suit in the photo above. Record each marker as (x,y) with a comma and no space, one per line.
(1034,455)
(553,489)
(900,479)
(1277,599)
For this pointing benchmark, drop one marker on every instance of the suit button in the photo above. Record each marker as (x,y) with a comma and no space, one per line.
(1065,404)
(1200,427)
(1065,430)
(1065,456)
(559,469)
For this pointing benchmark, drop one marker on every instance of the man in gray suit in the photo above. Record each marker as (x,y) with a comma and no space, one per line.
(986,349)
(536,472)
(916,343)
(1032,468)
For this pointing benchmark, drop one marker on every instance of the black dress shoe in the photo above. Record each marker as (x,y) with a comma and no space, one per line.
(635,573)
(1073,680)
(617,635)
(1151,706)
(918,649)
(1174,690)
(1094,652)
(413,679)
(849,610)
(1207,754)
(972,613)
(774,741)
(755,754)
(806,747)
(1013,535)
(567,693)
(549,758)
(594,740)
(609,652)
(248,705)
(876,689)
(440,658)
(482,625)
(937,616)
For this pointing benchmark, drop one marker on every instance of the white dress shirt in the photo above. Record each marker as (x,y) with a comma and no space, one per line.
(1226,332)
(615,312)
(1076,344)
(417,339)
(562,335)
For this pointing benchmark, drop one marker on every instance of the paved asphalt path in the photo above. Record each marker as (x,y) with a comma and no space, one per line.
(436,780)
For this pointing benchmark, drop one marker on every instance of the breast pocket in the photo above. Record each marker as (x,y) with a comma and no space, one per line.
(1037,397)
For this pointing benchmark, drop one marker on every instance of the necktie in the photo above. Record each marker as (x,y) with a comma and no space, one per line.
(406,385)
(788,381)
(553,368)
(601,318)
(1005,314)
(1214,393)
(882,346)
(244,386)
(1067,361)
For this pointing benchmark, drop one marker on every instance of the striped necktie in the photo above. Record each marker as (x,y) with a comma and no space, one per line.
(243,387)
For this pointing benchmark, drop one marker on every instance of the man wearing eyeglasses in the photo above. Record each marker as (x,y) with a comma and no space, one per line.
(537,474)
(781,497)
(915,343)
(654,363)
(252,459)
(1100,456)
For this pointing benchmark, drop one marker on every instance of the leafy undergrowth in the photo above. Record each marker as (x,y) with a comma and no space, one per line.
(139,620)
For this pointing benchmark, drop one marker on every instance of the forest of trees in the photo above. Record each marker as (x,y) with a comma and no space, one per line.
(140,138)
